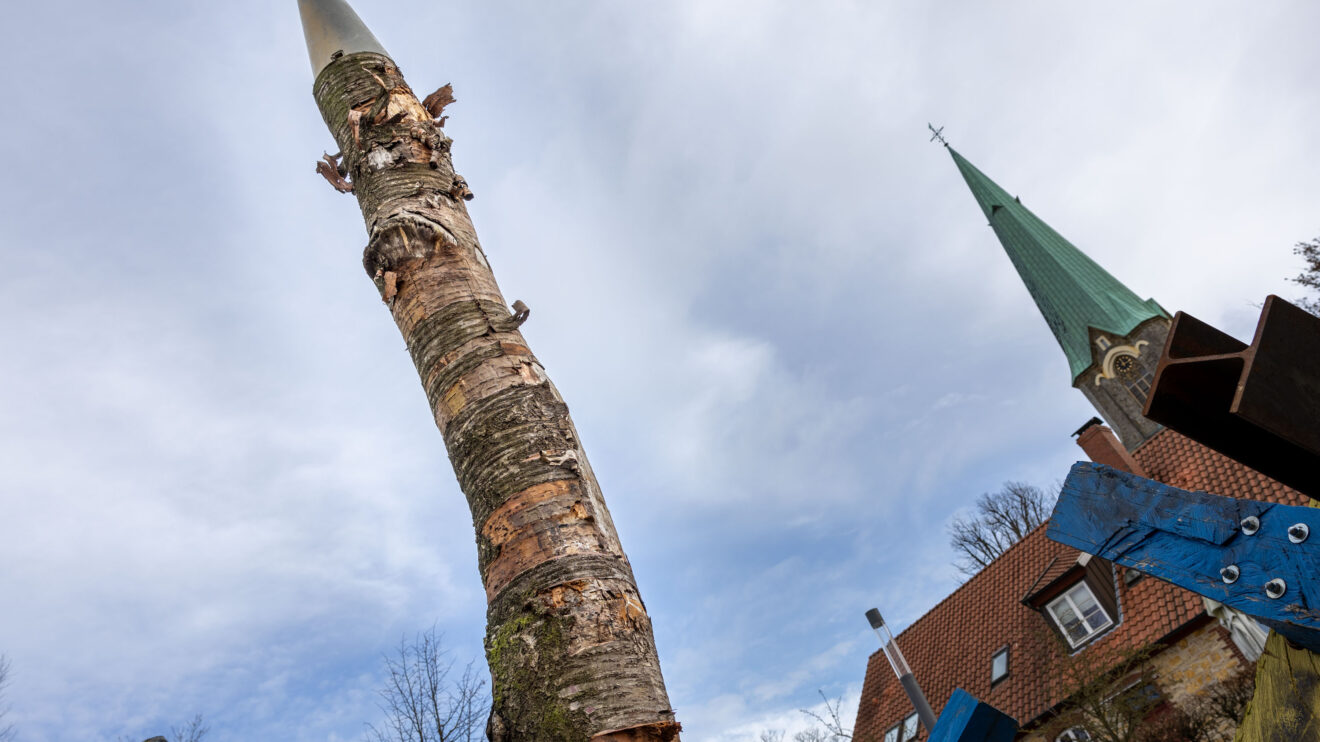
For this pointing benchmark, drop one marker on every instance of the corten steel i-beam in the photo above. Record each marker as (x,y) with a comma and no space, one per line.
(1257,403)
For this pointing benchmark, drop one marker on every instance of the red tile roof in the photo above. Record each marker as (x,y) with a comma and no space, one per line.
(1175,459)
(951,646)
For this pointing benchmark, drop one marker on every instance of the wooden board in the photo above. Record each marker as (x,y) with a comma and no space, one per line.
(1187,538)
(965,719)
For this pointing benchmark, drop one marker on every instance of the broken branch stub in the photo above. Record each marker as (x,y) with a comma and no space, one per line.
(330,169)
(435,102)
(520,313)
(459,189)
(569,642)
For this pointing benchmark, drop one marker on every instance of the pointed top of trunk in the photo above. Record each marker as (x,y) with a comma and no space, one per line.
(332,26)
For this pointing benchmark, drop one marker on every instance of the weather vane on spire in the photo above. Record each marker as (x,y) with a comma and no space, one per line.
(935,134)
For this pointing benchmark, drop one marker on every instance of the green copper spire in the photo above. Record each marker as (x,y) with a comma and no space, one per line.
(1071,290)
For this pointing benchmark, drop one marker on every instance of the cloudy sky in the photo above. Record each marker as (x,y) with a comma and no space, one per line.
(792,346)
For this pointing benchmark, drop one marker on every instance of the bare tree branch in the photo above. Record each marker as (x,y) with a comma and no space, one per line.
(834,728)
(1002,518)
(194,731)
(1310,275)
(423,702)
(1105,687)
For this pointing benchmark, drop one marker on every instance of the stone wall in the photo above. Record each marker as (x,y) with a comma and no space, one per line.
(1205,656)
(1110,397)
(1182,671)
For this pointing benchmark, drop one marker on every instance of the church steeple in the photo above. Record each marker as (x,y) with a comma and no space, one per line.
(1110,336)
(1072,291)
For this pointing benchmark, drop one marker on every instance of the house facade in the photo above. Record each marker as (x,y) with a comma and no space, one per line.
(1043,618)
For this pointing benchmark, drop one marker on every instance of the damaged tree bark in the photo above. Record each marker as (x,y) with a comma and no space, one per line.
(569,642)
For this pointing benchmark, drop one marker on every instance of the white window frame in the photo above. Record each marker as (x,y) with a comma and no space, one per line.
(904,731)
(1067,599)
(1007,657)
(909,728)
(1073,734)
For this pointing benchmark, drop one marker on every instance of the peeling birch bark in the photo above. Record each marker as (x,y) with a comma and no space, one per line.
(569,642)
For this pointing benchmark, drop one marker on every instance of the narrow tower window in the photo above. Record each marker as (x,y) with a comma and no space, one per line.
(1135,377)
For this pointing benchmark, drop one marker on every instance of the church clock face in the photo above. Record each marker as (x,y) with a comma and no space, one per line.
(1125,367)
(1123,364)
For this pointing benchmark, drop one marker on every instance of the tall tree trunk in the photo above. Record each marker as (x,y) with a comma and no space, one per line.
(569,643)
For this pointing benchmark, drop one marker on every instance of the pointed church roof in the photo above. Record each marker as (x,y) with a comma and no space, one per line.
(1072,291)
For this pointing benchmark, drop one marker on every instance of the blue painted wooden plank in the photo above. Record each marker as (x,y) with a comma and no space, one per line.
(1187,538)
(965,719)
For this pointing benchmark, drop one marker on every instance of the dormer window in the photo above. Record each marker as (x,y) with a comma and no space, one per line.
(1077,597)
(999,666)
(1079,615)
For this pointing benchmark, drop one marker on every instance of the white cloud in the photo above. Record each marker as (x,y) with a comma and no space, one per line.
(792,721)
(790,342)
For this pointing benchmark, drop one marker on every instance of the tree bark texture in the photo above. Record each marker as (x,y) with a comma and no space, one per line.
(569,642)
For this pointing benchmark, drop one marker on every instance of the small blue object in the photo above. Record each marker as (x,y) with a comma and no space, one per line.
(1238,552)
(965,719)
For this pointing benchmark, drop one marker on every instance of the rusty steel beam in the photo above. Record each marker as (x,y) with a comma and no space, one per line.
(1257,403)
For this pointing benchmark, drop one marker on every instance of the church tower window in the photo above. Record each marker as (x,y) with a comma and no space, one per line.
(1137,379)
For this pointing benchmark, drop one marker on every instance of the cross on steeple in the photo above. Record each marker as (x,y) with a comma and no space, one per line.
(935,134)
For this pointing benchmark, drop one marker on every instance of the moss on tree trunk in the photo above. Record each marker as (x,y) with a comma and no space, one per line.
(569,642)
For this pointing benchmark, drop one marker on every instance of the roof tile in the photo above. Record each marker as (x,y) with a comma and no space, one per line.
(951,646)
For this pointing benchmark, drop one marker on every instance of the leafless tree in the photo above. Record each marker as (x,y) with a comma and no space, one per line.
(1110,691)
(194,731)
(827,727)
(6,730)
(1214,714)
(1226,701)
(423,701)
(1175,724)
(1002,518)
(834,730)
(1310,275)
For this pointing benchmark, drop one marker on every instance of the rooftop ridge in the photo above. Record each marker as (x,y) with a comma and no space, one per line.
(970,580)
